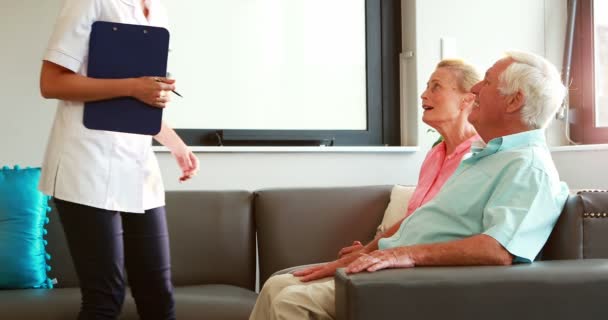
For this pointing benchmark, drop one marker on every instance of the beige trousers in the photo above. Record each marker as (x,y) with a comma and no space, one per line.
(285,297)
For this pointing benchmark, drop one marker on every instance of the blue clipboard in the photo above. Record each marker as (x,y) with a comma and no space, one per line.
(118,51)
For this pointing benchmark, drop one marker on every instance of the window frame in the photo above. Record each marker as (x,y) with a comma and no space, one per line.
(383,46)
(582,88)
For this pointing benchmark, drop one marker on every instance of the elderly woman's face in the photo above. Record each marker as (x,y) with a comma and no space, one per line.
(442,100)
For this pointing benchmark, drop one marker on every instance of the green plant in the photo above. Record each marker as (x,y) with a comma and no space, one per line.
(438,139)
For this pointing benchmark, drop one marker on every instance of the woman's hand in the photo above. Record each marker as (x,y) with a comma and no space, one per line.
(356,246)
(154,91)
(327,269)
(319,272)
(187,162)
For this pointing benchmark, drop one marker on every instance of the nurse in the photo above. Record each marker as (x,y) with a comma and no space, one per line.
(107,185)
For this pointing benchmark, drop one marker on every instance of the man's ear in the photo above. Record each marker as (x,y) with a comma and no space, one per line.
(515,102)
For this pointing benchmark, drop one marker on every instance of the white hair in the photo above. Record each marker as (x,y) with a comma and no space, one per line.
(540,83)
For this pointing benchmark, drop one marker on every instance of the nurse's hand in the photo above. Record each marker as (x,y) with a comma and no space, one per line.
(154,91)
(187,162)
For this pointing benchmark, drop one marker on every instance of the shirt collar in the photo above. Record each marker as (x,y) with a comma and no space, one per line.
(137,3)
(129,2)
(138,11)
(513,141)
(466,145)
(463,147)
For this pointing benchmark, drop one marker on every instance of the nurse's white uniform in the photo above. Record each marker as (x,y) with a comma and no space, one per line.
(102,169)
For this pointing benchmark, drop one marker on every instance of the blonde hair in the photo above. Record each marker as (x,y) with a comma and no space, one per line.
(466,75)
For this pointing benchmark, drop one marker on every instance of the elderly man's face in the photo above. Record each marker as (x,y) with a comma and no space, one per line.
(489,103)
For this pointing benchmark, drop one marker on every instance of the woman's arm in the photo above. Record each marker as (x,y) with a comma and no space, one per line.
(169,138)
(186,160)
(57,82)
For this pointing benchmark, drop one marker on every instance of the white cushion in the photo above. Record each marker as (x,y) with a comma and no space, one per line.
(397,207)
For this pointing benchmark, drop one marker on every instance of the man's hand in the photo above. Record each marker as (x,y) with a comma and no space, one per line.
(356,246)
(187,162)
(382,259)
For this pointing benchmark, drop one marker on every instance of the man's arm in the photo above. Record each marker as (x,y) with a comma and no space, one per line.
(476,250)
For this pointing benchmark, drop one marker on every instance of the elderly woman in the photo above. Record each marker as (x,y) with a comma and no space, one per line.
(447,103)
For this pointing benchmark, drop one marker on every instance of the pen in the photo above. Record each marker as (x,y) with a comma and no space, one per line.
(179,95)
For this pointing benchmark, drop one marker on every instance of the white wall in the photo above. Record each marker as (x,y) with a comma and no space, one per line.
(583,169)
(478,27)
(25,118)
(482,30)
(252,171)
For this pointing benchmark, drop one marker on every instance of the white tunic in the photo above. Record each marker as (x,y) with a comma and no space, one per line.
(108,170)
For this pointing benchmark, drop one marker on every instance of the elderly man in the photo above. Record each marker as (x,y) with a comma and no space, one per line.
(499,207)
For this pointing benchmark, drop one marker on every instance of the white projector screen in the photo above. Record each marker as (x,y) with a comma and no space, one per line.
(268,64)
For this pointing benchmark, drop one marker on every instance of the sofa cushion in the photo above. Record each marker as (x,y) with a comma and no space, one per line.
(304,226)
(23,258)
(397,207)
(56,304)
(224,253)
(219,302)
(212,237)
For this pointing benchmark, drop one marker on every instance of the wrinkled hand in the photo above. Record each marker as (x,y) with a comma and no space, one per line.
(154,91)
(187,162)
(356,246)
(382,259)
(318,272)
(325,270)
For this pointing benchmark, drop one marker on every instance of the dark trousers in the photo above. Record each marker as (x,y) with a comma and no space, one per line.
(103,243)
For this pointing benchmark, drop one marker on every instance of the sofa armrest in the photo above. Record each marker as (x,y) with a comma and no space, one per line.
(570,289)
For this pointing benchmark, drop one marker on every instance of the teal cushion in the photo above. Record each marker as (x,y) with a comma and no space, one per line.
(23,215)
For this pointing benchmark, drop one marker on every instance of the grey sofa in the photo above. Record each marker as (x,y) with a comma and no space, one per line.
(213,242)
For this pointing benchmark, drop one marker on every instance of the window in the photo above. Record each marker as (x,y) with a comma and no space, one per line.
(589,88)
(380,42)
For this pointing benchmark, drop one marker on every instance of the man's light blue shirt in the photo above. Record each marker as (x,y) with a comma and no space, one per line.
(509,190)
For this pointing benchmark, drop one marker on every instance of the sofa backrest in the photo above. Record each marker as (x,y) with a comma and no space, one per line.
(212,237)
(304,226)
(213,234)
(212,240)
(581,231)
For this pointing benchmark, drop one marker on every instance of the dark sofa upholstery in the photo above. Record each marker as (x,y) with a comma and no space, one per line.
(213,248)
(569,281)
(212,256)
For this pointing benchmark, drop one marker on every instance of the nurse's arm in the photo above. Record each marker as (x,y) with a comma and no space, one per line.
(57,82)
(186,160)
(169,138)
